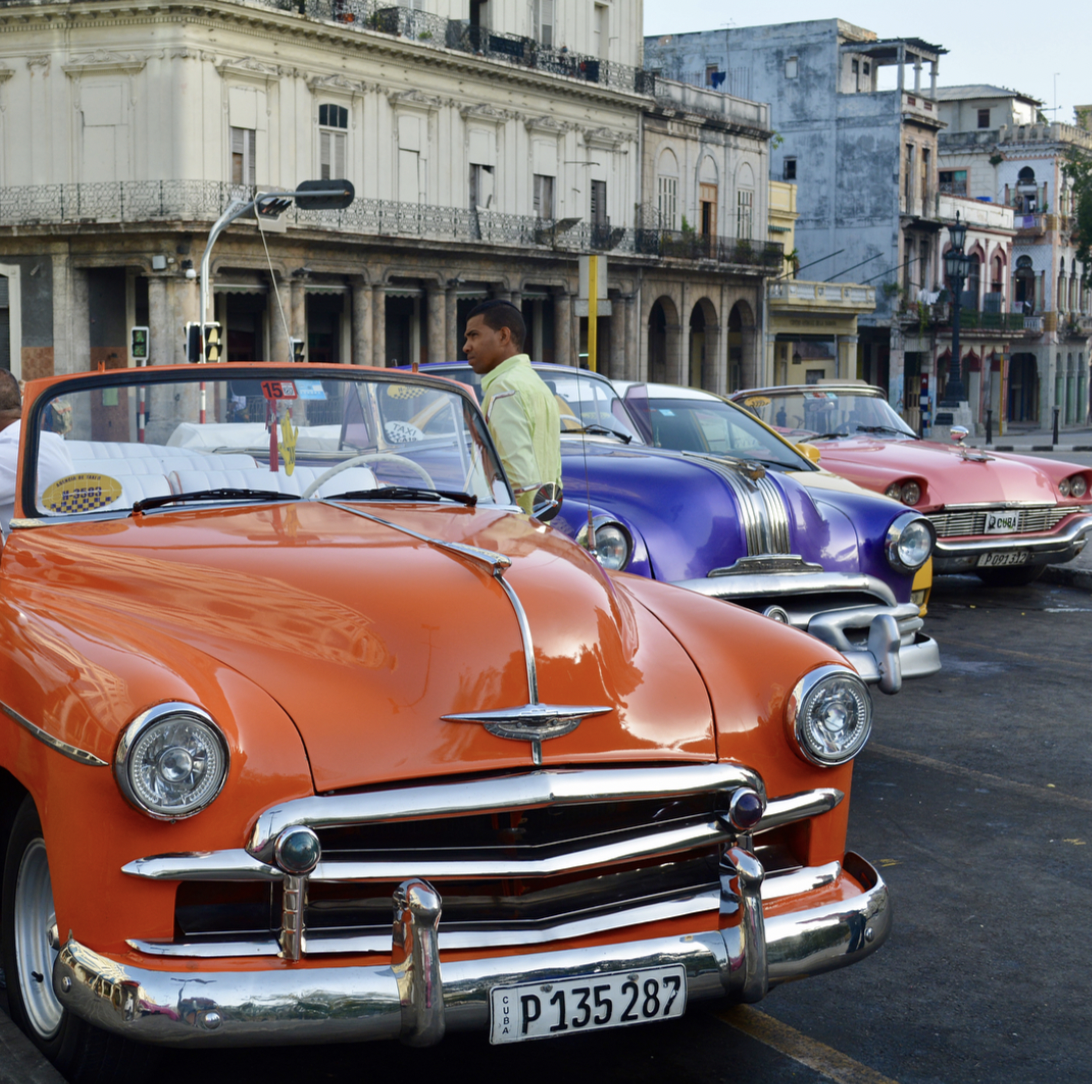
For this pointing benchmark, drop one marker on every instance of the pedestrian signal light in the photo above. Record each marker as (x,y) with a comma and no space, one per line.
(193,342)
(212,343)
(138,344)
(297,349)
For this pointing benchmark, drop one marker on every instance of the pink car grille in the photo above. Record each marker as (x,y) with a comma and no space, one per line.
(1044,517)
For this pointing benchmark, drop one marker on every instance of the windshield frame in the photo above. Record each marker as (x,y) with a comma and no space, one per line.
(840,391)
(44,393)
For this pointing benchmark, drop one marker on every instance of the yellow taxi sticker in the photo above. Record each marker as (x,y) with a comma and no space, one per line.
(757,401)
(81,493)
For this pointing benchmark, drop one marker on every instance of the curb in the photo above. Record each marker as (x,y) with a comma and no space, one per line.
(1063,448)
(1069,577)
(20,1061)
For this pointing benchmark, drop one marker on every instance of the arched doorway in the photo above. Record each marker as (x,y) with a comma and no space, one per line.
(1025,284)
(1023,388)
(703,346)
(663,342)
(742,371)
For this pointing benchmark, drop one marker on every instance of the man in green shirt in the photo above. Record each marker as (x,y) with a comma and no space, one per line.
(520,410)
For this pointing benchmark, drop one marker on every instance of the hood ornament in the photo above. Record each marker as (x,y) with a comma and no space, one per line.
(534,722)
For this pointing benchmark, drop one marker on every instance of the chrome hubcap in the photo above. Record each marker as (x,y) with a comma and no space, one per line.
(35,939)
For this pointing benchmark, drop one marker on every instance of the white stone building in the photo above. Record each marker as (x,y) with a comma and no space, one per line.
(490,143)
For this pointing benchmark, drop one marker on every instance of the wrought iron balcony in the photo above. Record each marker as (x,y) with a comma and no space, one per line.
(689,245)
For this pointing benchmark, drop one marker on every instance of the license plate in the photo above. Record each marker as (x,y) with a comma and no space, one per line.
(999,560)
(544,1010)
(1002,522)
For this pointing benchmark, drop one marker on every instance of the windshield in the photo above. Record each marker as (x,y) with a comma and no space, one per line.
(710,426)
(107,442)
(815,413)
(585,402)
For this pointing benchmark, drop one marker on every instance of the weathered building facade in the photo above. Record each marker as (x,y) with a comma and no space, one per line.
(489,144)
(864,158)
(996,149)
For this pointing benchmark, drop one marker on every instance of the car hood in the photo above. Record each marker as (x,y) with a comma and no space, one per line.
(367,637)
(953,475)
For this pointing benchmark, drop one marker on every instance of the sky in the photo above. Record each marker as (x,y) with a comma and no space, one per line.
(1006,43)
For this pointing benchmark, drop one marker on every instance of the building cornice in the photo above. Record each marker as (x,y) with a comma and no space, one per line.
(102,60)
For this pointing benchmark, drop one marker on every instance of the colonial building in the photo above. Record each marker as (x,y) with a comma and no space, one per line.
(864,158)
(490,144)
(997,149)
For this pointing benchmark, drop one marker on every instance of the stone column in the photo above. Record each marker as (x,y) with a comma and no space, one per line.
(676,355)
(501,294)
(716,358)
(279,349)
(437,338)
(631,367)
(79,335)
(838,358)
(849,345)
(183,301)
(379,326)
(563,329)
(161,334)
(297,316)
(363,325)
(896,369)
(617,363)
(451,323)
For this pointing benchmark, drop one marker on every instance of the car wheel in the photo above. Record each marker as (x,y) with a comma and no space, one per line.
(84,1054)
(1010,577)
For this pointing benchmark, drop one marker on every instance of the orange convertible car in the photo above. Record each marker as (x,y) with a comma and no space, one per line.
(281,664)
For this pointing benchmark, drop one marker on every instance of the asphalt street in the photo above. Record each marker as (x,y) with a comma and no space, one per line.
(975,800)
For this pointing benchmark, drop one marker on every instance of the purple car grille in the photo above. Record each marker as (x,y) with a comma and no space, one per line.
(1044,517)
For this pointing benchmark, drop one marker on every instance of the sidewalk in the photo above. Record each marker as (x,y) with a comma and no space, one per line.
(1036,440)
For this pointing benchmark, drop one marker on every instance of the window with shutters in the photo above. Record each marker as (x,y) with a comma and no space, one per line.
(544,22)
(745,214)
(544,196)
(243,143)
(481,187)
(599,203)
(333,139)
(667,202)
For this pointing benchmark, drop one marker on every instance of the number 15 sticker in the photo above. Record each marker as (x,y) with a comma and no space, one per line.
(279,389)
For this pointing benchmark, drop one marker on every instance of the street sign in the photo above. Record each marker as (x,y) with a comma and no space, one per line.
(600,273)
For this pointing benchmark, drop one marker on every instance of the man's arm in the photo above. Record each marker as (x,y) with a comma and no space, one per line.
(511,431)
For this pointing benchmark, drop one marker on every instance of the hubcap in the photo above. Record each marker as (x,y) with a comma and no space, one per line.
(34,955)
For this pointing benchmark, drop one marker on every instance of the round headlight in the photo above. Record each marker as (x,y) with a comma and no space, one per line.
(172,761)
(612,546)
(1078,487)
(909,542)
(1063,487)
(894,491)
(830,715)
(911,493)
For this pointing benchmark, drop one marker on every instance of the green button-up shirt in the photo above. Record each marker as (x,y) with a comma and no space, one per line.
(522,415)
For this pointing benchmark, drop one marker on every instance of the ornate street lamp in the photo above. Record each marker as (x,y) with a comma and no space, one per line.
(956,265)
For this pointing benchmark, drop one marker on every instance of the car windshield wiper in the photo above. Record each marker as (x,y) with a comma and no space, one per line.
(882,429)
(827,436)
(598,428)
(223,494)
(406,493)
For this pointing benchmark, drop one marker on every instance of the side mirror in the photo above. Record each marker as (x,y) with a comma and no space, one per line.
(547,503)
(809,451)
(959,433)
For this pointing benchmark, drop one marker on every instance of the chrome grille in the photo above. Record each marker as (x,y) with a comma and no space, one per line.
(972,521)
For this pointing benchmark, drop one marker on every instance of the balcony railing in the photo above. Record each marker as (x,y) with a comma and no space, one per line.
(975,320)
(158,202)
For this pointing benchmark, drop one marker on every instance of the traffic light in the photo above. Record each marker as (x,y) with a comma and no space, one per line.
(138,345)
(212,344)
(193,342)
(297,349)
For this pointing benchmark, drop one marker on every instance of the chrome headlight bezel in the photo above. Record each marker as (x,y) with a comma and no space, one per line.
(599,523)
(802,700)
(147,722)
(1075,487)
(899,535)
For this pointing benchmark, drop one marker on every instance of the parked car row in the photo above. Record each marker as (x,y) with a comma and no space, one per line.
(307,734)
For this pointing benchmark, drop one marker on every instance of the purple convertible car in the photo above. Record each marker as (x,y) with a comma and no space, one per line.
(750,520)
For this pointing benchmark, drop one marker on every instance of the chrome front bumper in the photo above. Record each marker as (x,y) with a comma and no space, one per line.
(962,554)
(882,640)
(417,998)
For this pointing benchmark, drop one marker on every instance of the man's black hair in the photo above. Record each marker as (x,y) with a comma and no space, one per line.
(497,314)
(10,399)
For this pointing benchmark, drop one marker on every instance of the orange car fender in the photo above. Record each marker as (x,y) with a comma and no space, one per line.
(749,698)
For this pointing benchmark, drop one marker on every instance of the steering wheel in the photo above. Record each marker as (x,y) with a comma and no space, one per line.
(359,461)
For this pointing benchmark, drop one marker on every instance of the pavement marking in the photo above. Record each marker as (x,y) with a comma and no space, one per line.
(1026,789)
(785,1040)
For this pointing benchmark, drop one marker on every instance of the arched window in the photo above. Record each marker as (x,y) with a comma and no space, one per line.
(667,191)
(1025,284)
(745,203)
(333,122)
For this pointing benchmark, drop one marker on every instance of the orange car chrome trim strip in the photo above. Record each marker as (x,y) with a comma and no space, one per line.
(80,756)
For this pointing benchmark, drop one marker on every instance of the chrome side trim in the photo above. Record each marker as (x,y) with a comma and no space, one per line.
(524,791)
(80,756)
(233,865)
(750,585)
(798,807)
(776,519)
(352,1003)
(797,882)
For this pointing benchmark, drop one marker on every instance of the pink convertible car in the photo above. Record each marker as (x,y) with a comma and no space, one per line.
(1003,517)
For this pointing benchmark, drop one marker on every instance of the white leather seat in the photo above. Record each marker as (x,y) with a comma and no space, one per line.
(191,481)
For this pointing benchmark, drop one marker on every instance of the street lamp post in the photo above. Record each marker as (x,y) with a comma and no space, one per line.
(956,266)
